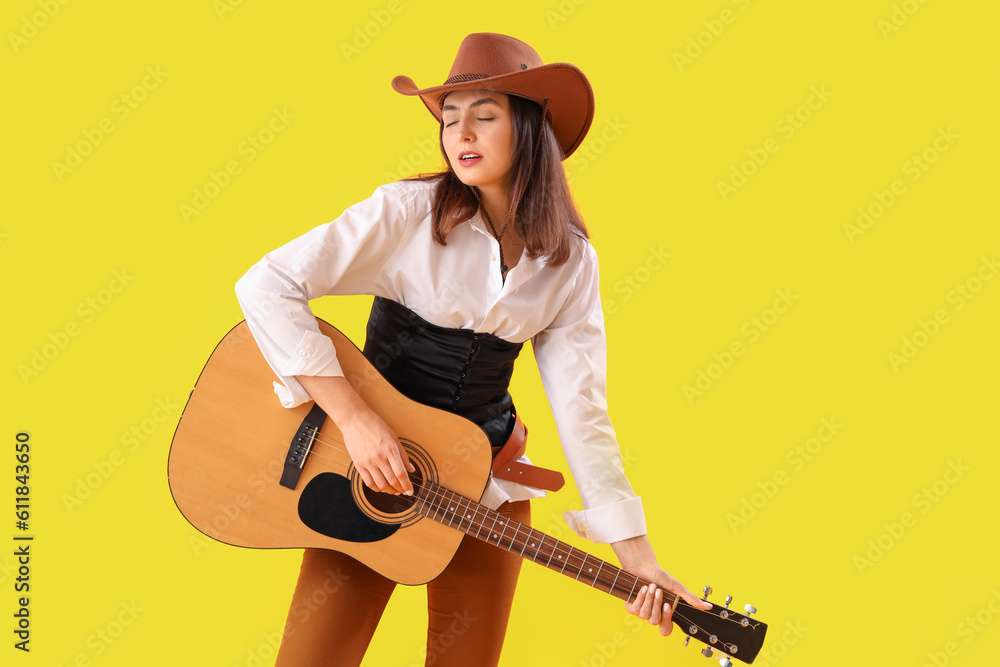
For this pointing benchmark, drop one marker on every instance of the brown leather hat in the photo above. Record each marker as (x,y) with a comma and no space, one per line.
(498,62)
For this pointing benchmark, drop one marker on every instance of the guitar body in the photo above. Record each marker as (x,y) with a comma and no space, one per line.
(232,446)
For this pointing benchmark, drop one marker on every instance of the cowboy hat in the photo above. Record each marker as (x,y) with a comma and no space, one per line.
(498,62)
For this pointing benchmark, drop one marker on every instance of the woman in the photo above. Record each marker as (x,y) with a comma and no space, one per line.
(467,265)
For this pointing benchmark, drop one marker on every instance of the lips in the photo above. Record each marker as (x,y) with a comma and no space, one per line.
(469,158)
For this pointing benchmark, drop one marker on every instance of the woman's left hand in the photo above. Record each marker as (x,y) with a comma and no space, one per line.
(637,557)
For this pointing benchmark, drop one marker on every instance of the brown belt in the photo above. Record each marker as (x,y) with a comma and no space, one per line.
(506,466)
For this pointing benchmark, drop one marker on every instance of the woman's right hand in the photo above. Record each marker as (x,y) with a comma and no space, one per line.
(373,447)
(377,453)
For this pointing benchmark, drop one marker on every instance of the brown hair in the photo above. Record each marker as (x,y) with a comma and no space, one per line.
(546,217)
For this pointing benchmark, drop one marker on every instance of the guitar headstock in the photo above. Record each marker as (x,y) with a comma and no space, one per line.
(725,632)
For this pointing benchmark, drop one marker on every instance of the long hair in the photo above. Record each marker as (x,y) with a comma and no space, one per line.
(546,216)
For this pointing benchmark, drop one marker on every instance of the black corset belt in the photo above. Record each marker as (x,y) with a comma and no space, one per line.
(452,369)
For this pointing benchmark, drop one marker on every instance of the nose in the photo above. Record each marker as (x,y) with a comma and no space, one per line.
(464,130)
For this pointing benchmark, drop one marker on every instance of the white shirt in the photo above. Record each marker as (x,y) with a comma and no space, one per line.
(383,246)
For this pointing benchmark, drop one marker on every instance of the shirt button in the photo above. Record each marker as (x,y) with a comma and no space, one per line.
(493,258)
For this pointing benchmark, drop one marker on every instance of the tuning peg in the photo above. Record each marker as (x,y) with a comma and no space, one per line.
(725,662)
(750,609)
(729,598)
(708,591)
(707,652)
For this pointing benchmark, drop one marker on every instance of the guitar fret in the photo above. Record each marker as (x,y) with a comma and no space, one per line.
(633,588)
(500,539)
(551,554)
(465,510)
(599,566)
(526,542)
(445,505)
(437,508)
(455,510)
(475,521)
(567,560)
(517,535)
(490,531)
(612,590)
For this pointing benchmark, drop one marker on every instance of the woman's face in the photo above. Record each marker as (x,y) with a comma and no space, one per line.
(478,136)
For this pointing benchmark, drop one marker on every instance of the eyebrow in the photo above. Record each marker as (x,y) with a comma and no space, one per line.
(479,102)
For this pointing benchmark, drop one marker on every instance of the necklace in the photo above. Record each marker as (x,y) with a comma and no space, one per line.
(498,237)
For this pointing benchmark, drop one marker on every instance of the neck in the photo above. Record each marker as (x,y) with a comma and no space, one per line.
(496,201)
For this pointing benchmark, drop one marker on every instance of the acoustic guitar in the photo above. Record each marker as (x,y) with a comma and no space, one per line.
(247,472)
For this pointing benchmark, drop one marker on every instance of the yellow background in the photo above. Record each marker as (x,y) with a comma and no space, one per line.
(894,76)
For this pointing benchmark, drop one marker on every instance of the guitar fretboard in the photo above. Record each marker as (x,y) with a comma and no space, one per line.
(457,511)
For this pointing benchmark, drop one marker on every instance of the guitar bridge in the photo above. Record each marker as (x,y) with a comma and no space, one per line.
(302,442)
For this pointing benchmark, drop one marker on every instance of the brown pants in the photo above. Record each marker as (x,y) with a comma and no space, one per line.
(338,602)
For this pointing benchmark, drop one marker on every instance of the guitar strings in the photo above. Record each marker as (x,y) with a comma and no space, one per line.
(438,504)
(438,496)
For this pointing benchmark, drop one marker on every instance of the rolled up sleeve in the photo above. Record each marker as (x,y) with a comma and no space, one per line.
(344,256)
(572,361)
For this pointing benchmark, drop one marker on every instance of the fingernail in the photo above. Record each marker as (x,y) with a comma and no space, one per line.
(642,591)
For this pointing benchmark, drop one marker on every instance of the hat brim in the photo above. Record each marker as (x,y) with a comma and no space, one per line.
(571,99)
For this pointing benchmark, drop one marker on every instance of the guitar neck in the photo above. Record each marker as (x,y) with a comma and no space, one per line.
(482,523)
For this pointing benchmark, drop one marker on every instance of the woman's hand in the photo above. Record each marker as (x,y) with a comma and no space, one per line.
(373,447)
(377,453)
(636,555)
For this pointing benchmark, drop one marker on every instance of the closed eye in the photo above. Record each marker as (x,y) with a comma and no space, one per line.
(455,121)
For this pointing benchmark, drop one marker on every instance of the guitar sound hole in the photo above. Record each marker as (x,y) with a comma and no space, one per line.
(394,504)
